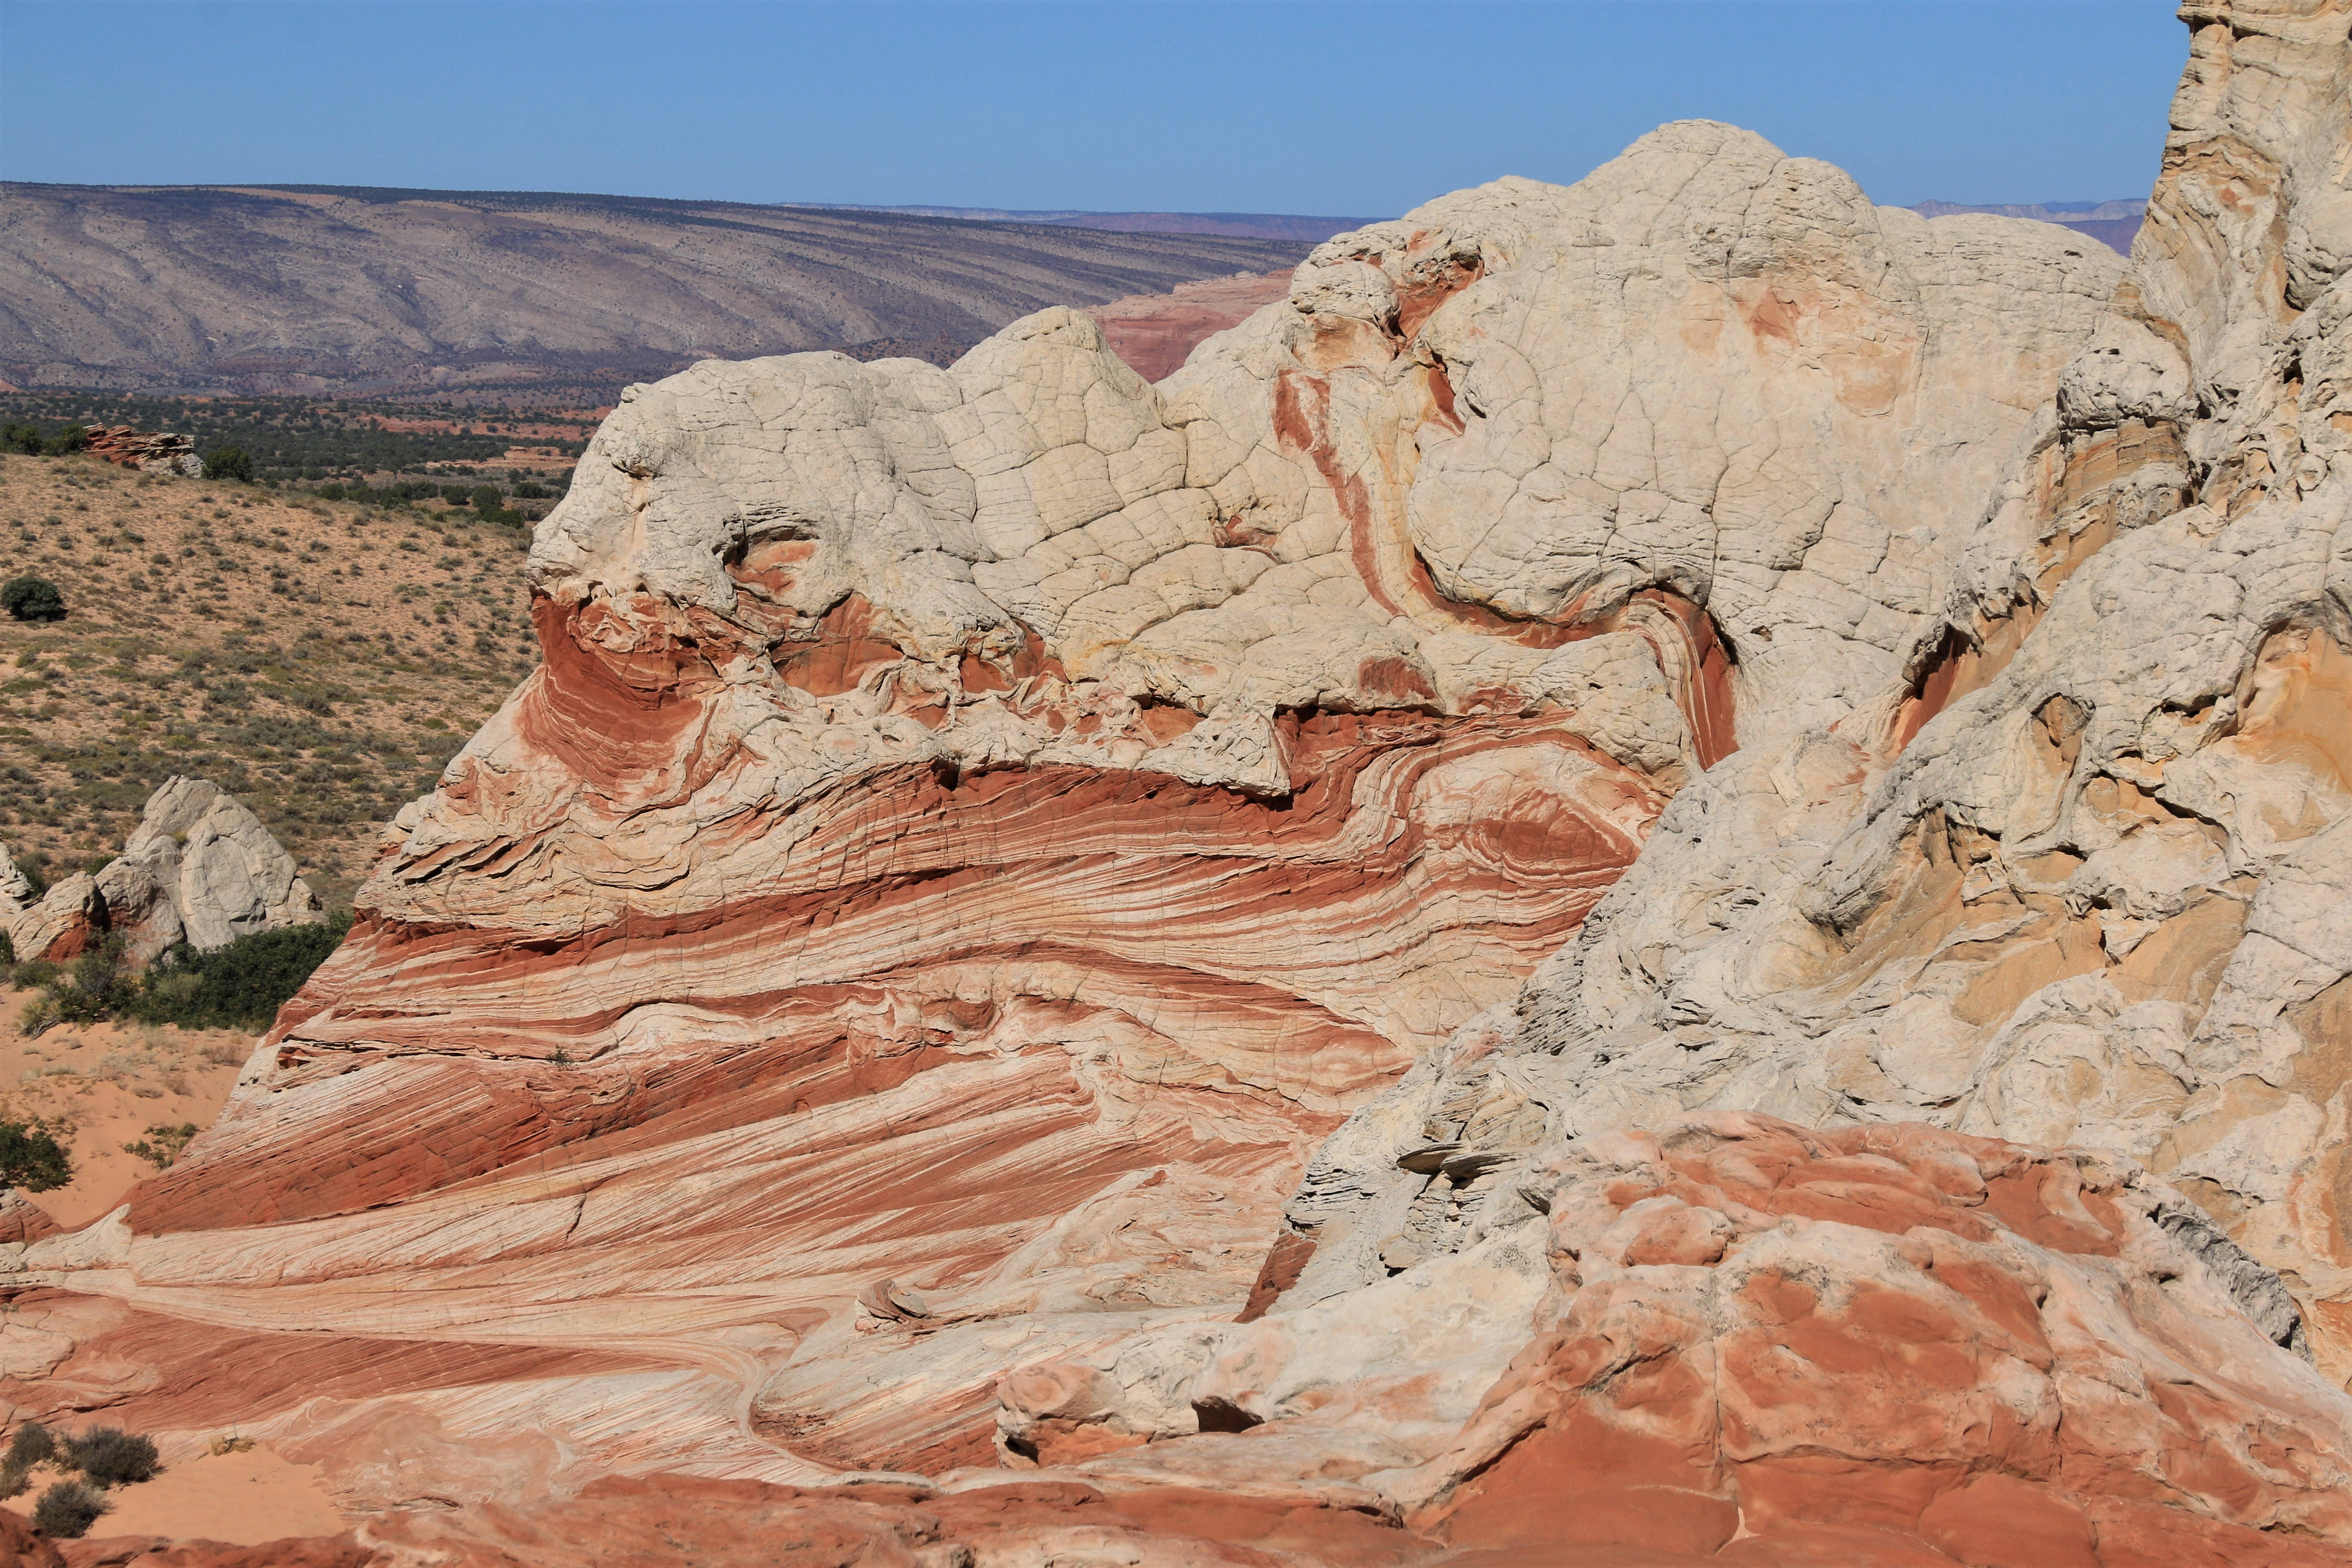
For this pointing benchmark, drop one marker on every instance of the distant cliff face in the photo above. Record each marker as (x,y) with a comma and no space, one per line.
(275,290)
(1476,917)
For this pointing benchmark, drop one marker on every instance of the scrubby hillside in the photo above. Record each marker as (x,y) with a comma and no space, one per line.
(309,289)
(320,661)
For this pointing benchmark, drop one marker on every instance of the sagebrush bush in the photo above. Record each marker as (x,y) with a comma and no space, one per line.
(14,1480)
(31,1446)
(111,1456)
(164,1144)
(67,1509)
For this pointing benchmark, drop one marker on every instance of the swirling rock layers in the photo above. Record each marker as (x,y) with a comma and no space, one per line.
(980,839)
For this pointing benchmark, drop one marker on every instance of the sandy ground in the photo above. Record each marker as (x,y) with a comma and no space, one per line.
(245,1498)
(424,610)
(109,1083)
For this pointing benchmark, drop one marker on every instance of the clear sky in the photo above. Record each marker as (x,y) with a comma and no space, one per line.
(1342,106)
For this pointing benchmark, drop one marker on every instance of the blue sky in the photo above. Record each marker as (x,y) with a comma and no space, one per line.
(1343,106)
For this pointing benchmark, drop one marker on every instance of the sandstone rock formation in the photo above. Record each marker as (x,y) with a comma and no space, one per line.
(1273,934)
(1835,1347)
(200,868)
(23,1219)
(2113,223)
(2081,875)
(150,452)
(1154,333)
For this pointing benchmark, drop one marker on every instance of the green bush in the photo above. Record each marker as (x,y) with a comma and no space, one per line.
(111,1456)
(30,598)
(31,1446)
(229,463)
(67,1509)
(164,1144)
(35,867)
(28,440)
(241,985)
(33,1160)
(14,1480)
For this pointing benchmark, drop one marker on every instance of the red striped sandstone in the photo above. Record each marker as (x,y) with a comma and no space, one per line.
(1155,332)
(977,833)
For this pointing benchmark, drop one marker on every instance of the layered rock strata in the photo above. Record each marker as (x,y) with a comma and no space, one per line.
(151,452)
(2081,875)
(1154,334)
(981,838)
(979,829)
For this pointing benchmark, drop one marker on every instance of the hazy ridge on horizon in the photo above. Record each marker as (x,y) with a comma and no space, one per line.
(335,288)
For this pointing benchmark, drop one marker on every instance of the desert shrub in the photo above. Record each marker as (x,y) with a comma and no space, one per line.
(40,972)
(67,1509)
(111,1456)
(29,439)
(92,987)
(31,1446)
(242,984)
(35,866)
(228,463)
(31,598)
(31,1158)
(164,1144)
(14,1480)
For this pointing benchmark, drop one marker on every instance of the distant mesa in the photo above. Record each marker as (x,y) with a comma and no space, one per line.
(2112,223)
(319,290)
(1245,225)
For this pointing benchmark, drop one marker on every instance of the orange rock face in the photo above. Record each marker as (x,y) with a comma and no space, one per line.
(1882,1343)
